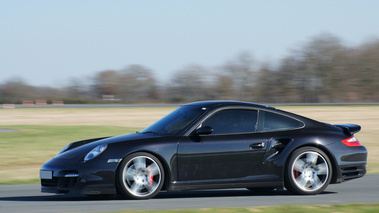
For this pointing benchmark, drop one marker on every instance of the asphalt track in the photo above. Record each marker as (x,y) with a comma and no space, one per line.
(27,198)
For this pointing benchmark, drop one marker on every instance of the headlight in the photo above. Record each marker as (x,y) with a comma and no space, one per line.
(64,149)
(95,152)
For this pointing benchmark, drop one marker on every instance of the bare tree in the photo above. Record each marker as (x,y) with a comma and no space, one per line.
(136,83)
(242,70)
(189,84)
(16,90)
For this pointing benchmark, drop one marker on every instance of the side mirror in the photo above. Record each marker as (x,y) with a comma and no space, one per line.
(205,130)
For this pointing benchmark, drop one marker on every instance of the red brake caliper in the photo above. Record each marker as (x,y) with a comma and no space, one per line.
(150,182)
(296,173)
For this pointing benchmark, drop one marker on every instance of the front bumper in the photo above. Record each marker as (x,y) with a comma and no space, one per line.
(94,177)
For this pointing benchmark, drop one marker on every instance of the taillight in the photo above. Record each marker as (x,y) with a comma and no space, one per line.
(352,141)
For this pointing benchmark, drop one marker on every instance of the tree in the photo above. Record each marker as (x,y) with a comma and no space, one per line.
(316,72)
(137,83)
(16,90)
(223,87)
(363,70)
(189,84)
(105,83)
(242,70)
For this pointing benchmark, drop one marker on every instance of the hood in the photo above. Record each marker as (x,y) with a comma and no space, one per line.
(81,148)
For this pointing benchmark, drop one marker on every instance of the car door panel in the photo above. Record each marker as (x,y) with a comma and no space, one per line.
(220,156)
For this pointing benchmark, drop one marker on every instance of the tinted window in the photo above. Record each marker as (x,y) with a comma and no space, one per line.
(269,121)
(175,122)
(232,121)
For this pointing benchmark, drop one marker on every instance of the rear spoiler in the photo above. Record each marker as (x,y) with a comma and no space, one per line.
(349,129)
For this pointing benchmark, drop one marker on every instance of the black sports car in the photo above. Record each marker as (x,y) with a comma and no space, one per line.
(209,145)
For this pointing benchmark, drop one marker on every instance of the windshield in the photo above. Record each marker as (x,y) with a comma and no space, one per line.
(175,122)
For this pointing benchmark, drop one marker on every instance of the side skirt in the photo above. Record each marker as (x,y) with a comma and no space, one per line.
(247,182)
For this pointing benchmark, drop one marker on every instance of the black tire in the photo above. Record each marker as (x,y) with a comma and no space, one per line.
(140,176)
(308,171)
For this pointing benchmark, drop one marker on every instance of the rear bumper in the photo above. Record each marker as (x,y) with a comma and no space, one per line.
(349,162)
(351,171)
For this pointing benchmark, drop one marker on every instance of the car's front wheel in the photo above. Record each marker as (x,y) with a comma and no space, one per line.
(308,171)
(140,176)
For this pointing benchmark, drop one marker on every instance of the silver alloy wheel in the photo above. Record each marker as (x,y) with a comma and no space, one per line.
(310,171)
(141,176)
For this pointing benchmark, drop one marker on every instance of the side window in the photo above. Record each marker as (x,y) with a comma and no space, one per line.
(232,121)
(269,121)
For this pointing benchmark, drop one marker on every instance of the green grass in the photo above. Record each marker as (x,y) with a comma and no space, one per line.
(24,151)
(15,182)
(340,208)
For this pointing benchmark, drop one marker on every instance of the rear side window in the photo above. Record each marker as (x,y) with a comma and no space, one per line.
(269,121)
(232,121)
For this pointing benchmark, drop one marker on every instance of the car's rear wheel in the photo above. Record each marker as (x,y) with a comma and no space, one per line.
(140,176)
(308,171)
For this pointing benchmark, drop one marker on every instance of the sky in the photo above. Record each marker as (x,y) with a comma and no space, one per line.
(47,43)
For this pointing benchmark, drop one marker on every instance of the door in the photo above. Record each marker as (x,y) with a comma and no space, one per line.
(232,150)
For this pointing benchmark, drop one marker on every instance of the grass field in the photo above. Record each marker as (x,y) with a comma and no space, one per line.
(42,133)
(347,208)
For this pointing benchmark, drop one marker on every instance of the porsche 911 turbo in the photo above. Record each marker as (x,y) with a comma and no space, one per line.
(211,145)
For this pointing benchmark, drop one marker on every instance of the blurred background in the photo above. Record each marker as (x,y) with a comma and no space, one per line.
(166,51)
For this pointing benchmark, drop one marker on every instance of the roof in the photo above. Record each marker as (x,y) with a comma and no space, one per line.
(218,103)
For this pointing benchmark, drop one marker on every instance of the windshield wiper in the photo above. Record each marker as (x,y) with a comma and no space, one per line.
(151,132)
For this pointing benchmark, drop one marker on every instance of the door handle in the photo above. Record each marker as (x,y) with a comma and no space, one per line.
(259,145)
